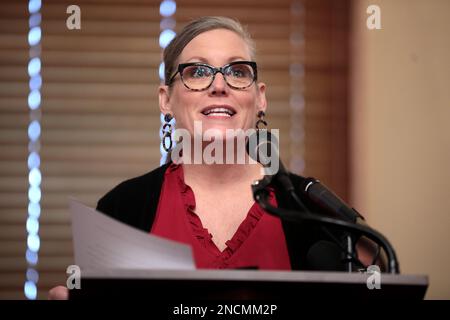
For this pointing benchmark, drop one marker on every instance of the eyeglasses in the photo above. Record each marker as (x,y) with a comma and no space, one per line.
(199,76)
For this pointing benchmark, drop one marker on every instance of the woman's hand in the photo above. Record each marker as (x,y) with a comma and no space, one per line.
(58,293)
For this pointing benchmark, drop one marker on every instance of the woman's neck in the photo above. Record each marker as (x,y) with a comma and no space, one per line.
(219,176)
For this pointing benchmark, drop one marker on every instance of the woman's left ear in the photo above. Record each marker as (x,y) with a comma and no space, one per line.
(262,102)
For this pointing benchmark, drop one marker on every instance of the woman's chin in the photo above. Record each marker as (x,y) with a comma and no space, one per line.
(218,128)
(217,133)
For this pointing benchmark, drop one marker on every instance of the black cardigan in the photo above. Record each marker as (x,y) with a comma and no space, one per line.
(135,203)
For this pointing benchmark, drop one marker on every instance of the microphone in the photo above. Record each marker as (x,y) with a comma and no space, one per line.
(329,201)
(257,146)
(325,256)
(262,147)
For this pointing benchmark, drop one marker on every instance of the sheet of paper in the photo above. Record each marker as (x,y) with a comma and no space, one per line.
(101,242)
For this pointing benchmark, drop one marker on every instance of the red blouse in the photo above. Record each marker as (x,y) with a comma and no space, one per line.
(259,241)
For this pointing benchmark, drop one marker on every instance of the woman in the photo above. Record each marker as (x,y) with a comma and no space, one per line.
(211,79)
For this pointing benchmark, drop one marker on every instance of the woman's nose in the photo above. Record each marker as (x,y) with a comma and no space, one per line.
(219,85)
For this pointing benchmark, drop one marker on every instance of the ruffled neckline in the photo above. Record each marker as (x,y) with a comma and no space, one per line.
(202,234)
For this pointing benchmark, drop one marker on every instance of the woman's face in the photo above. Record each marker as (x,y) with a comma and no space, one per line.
(216,48)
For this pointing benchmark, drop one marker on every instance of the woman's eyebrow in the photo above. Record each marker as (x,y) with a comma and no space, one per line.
(204,60)
(197,59)
(237,58)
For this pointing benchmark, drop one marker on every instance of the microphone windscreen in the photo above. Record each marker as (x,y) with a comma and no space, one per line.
(325,256)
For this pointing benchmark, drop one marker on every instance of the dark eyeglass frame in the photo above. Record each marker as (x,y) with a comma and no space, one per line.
(215,70)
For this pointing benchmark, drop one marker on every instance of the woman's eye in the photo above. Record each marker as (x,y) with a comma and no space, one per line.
(239,71)
(200,72)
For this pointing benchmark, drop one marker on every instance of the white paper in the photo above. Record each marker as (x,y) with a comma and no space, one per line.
(101,242)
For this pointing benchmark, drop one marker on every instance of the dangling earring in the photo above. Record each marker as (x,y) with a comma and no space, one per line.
(167,132)
(261,133)
(261,115)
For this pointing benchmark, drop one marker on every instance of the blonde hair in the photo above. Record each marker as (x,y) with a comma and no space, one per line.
(193,29)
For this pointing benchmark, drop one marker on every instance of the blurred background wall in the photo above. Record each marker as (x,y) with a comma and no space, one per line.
(400,132)
(329,91)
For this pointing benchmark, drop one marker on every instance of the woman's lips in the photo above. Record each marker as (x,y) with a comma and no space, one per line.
(218,112)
